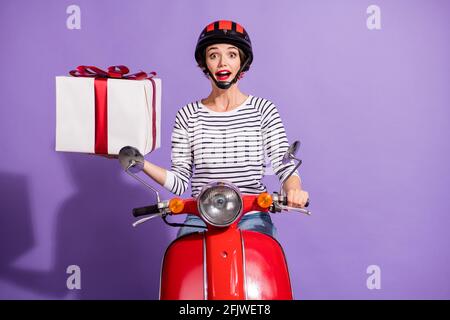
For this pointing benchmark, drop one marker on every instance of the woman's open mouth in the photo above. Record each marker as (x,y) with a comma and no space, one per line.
(222,75)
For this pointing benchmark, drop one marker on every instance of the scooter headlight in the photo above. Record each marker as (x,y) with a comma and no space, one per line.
(220,204)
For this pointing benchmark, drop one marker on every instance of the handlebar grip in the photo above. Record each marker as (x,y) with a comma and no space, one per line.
(142,211)
(285,202)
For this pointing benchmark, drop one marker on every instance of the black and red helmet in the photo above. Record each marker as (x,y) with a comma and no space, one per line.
(224,31)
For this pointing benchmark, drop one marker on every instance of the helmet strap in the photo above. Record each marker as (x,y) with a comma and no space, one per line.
(227,84)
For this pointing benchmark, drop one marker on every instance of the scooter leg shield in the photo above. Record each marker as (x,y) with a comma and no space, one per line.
(266,274)
(266,270)
(182,274)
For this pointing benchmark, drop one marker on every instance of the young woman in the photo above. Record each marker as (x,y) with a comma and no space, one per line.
(226,135)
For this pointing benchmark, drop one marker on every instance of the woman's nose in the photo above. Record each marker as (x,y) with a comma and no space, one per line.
(222,63)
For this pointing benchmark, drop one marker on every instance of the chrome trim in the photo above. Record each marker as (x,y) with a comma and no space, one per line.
(205,276)
(163,204)
(243,265)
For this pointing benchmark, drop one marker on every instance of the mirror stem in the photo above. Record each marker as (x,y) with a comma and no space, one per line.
(143,182)
(289,175)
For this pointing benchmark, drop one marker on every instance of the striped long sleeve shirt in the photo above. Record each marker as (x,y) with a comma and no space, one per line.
(232,146)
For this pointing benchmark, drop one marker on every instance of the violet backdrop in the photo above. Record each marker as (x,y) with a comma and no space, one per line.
(370,107)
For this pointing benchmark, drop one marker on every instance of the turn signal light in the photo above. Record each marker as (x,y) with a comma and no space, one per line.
(176,205)
(264,200)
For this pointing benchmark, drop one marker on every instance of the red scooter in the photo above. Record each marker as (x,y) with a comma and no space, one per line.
(222,262)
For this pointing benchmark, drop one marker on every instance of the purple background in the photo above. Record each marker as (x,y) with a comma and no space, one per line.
(370,107)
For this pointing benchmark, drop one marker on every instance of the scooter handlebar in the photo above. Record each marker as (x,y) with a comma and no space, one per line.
(285,202)
(282,205)
(143,211)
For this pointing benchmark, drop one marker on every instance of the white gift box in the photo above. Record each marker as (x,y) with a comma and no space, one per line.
(133,114)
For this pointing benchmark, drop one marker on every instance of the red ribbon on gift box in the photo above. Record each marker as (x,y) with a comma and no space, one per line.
(101,100)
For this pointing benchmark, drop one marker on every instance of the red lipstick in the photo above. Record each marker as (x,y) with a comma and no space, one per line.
(222,75)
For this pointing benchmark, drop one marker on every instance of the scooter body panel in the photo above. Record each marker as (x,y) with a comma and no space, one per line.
(182,274)
(262,266)
(266,270)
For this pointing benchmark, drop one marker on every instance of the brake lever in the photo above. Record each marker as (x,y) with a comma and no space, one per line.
(301,210)
(140,221)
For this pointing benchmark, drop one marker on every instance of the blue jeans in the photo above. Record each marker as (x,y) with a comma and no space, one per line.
(259,221)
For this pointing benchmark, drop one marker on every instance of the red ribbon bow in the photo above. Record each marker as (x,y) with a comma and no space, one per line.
(101,98)
(117,72)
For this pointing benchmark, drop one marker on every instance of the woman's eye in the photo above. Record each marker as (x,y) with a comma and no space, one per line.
(212,56)
(233,54)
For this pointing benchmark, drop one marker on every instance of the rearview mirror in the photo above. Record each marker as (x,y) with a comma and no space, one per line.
(291,152)
(131,159)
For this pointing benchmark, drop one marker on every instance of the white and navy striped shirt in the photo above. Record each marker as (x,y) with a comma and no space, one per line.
(232,145)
